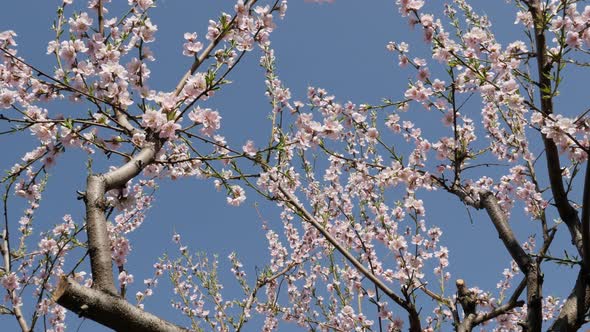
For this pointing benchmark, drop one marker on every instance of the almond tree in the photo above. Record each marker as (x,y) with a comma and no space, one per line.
(356,250)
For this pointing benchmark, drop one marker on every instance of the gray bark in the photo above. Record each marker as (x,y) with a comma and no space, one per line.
(109,310)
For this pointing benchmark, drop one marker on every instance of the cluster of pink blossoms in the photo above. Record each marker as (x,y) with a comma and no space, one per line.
(367,201)
(97,64)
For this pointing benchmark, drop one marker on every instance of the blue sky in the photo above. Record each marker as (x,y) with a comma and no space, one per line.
(340,47)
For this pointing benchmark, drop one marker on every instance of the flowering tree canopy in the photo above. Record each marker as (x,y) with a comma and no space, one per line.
(352,246)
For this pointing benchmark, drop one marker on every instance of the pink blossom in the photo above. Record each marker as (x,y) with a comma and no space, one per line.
(393,122)
(419,62)
(48,246)
(249,148)
(80,24)
(146,31)
(525,18)
(153,119)
(68,50)
(50,159)
(7,37)
(45,132)
(407,6)
(10,282)
(414,204)
(573,39)
(120,248)
(423,74)
(210,120)
(283,8)
(237,196)
(112,70)
(213,31)
(438,85)
(372,134)
(143,4)
(168,130)
(138,139)
(332,128)
(24,221)
(509,86)
(195,86)
(125,278)
(7,98)
(427,20)
(192,46)
(418,92)
(449,118)
(475,37)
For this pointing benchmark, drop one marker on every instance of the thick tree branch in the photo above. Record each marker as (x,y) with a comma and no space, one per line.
(123,121)
(531,269)
(571,316)
(119,177)
(498,218)
(465,297)
(512,303)
(586,221)
(102,304)
(99,246)
(472,319)
(468,303)
(523,260)
(567,212)
(109,310)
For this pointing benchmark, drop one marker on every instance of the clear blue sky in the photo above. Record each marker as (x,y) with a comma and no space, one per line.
(340,47)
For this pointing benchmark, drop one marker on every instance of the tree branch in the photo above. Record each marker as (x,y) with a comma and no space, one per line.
(586,221)
(414,317)
(99,244)
(530,267)
(119,177)
(498,218)
(467,301)
(5,251)
(109,310)
(571,316)
(205,54)
(472,319)
(527,265)
(98,240)
(567,213)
